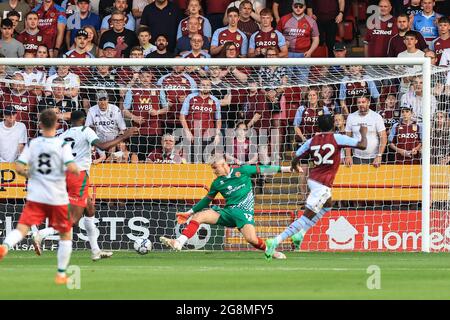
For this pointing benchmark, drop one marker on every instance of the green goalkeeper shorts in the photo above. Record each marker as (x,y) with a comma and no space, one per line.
(234,217)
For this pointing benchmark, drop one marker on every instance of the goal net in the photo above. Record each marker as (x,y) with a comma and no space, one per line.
(251,111)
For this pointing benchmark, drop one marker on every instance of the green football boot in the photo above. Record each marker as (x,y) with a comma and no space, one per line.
(271,245)
(297,240)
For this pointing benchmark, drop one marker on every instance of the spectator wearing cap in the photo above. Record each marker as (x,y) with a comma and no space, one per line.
(267,37)
(231,33)
(301,31)
(122,38)
(162,51)
(146,106)
(184,43)
(52,22)
(60,103)
(13,136)
(105,118)
(162,17)
(80,51)
(328,14)
(339,50)
(20,6)
(397,44)
(376,134)
(109,50)
(10,47)
(380,31)
(81,18)
(32,37)
(405,139)
(122,6)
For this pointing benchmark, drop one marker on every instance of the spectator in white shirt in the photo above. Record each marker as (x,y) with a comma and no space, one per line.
(13,136)
(376,134)
(413,99)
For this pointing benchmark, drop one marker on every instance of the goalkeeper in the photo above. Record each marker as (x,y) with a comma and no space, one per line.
(235,185)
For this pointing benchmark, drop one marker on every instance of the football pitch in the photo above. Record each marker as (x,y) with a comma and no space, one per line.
(231,275)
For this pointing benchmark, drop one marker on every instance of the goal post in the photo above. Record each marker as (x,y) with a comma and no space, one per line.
(140,198)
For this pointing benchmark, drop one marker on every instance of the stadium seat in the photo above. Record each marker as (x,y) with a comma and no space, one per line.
(320,52)
(349,28)
(362,10)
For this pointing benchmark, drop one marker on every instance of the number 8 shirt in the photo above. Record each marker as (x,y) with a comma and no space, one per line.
(46,159)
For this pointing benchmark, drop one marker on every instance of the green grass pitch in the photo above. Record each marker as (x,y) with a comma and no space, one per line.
(229,275)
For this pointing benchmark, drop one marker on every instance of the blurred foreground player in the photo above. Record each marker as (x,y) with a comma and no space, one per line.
(325,150)
(81,139)
(235,185)
(43,162)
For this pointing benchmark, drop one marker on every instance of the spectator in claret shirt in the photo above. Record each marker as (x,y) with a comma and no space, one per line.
(396,43)
(31,37)
(405,139)
(52,22)
(168,153)
(162,17)
(184,43)
(242,151)
(328,14)
(229,34)
(379,32)
(195,11)
(267,37)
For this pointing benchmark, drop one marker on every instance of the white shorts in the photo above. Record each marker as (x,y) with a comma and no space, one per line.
(318,195)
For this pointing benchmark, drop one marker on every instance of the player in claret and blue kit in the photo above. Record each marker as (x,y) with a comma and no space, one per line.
(235,185)
(325,150)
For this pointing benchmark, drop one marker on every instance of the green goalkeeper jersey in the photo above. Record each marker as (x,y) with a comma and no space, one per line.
(236,188)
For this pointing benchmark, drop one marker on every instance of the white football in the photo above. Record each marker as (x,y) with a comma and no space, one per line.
(142,245)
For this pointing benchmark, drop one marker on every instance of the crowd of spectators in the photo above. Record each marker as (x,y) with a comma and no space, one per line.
(203,102)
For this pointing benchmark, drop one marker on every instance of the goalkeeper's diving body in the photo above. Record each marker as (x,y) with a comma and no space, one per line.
(325,149)
(235,185)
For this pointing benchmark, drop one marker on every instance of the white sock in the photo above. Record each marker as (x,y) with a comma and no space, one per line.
(13,238)
(91,231)
(64,252)
(182,239)
(44,233)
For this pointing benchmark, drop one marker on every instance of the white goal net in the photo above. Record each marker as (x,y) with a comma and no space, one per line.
(251,111)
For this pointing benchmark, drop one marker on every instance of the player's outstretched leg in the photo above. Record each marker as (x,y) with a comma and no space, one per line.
(208,216)
(13,238)
(303,223)
(297,238)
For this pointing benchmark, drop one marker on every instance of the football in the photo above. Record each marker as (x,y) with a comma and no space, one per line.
(142,245)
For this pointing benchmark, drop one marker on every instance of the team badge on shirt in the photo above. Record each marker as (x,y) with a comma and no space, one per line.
(363,83)
(153,93)
(272,35)
(24,99)
(238,174)
(414,127)
(238,37)
(210,102)
(183,80)
(52,14)
(39,38)
(389,25)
